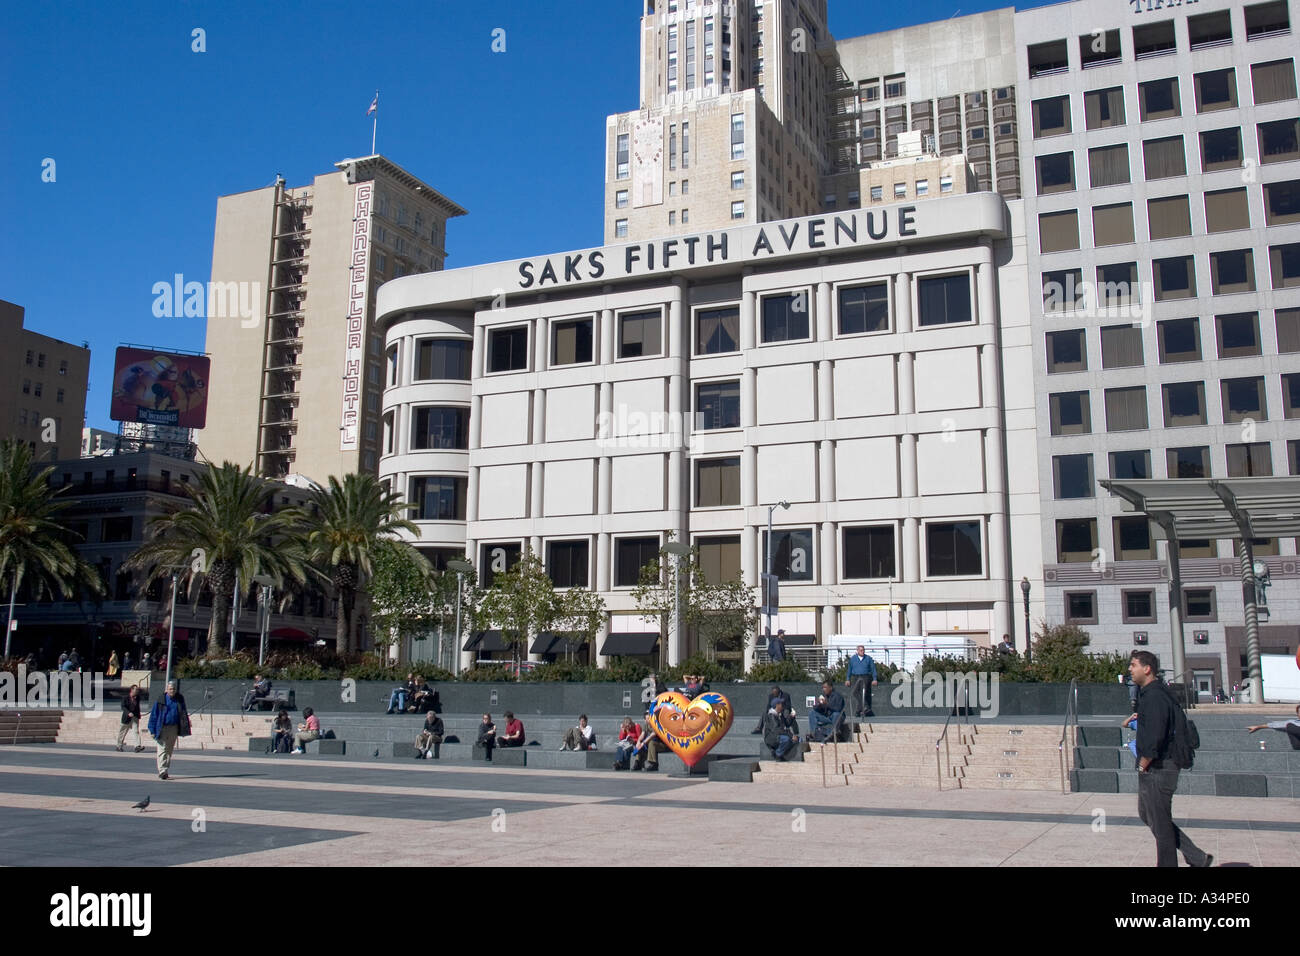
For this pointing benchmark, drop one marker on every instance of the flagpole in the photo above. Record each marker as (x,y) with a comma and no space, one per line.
(374,129)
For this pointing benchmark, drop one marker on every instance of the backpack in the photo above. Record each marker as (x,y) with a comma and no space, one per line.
(1185,741)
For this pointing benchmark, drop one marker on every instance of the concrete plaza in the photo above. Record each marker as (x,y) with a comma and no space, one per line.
(69,805)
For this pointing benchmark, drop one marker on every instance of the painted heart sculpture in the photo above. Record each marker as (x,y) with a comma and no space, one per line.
(691,728)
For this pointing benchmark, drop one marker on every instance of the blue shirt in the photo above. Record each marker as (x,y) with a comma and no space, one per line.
(862,666)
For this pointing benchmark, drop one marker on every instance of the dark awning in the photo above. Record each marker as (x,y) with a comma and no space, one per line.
(550,643)
(486,641)
(617,645)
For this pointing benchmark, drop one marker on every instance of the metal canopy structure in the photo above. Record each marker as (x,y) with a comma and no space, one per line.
(1237,508)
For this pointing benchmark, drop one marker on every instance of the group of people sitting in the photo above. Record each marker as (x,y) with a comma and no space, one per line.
(416,696)
(780,729)
(282,731)
(488,738)
(638,745)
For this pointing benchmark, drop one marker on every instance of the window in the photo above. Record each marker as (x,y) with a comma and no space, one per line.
(717,482)
(115,529)
(1238,335)
(1249,461)
(900,190)
(1108,166)
(1220,149)
(1112,225)
(738,179)
(442,359)
(27,386)
(1070,413)
(29,356)
(1058,231)
(1243,398)
(620,199)
(1081,607)
(1096,49)
(1046,58)
(621,165)
(1184,403)
(620,228)
(58,397)
(719,558)
(717,405)
(1154,39)
(922,187)
(1279,141)
(792,554)
(1226,209)
(1267,20)
(1139,607)
(877,193)
(943,300)
(497,559)
(37,389)
(737,135)
(1076,540)
(571,342)
(1104,108)
(40,360)
(1158,99)
(1117,284)
(1121,346)
(1169,217)
(1063,290)
(1164,158)
(566,563)
(438,498)
(1193,462)
(1133,540)
(1274,81)
(945,184)
(434,427)
(1198,604)
(1130,464)
(63,366)
(785,317)
(672,217)
(953,549)
(1232,271)
(895,86)
(1216,90)
(864,308)
(1209,29)
(717,331)
(1290,396)
(1175,278)
(640,334)
(1055,173)
(1287,322)
(1126,409)
(1066,351)
(1051,116)
(738,209)
(1284,265)
(869,552)
(630,556)
(1072,476)
(508,349)
(1281,202)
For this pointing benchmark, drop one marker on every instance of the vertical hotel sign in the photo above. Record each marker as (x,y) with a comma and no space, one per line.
(354,355)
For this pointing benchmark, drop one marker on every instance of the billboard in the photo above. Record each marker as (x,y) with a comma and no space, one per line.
(160,388)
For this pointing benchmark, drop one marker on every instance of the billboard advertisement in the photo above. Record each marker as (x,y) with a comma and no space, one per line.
(160,388)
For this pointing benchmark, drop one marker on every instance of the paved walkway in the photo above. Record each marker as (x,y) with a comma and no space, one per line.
(70,805)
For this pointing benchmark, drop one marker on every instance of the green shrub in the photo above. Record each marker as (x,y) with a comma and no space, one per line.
(788,671)
(374,667)
(621,671)
(430,671)
(489,673)
(563,670)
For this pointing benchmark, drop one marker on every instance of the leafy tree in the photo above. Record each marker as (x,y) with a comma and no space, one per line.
(521,602)
(579,611)
(35,548)
(717,611)
(226,528)
(411,600)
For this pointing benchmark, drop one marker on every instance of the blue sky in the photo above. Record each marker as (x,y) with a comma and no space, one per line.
(145,133)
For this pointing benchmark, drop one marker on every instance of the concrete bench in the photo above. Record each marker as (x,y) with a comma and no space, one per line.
(273,701)
(503,756)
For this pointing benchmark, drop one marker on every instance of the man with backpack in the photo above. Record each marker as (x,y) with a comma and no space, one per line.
(1166,743)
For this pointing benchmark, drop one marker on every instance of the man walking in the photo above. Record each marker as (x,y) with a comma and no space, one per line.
(168,721)
(130,718)
(1157,718)
(862,676)
(776,646)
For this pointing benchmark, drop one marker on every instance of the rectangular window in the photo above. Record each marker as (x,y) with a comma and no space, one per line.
(1273,82)
(1284,265)
(1287,327)
(1164,158)
(1184,403)
(1169,217)
(1076,540)
(785,317)
(877,193)
(1104,108)
(1158,99)
(1199,605)
(719,558)
(1066,351)
(864,308)
(1290,396)
(1249,461)
(437,498)
(497,559)
(1100,48)
(1279,142)
(621,150)
(1058,231)
(63,366)
(1081,607)
(439,427)
(1243,398)
(1121,346)
(571,342)
(953,549)
(1048,58)
(717,331)
(115,529)
(620,228)
(1128,465)
(59,396)
(1220,149)
(1063,290)
(1232,271)
(895,86)
(1267,20)
(1139,607)
(1175,278)
(1216,90)
(1117,284)
(922,187)
(717,405)
(1108,166)
(508,349)
(1238,335)
(1281,202)
(442,359)
(1112,225)
(1154,39)
(1055,173)
(630,556)
(900,190)
(1133,541)
(869,553)
(1126,409)
(737,135)
(620,199)
(738,179)
(640,334)
(566,563)
(1226,209)
(738,209)
(1209,29)
(943,300)
(945,184)
(717,482)
(1072,476)
(1070,413)
(1051,116)
(792,554)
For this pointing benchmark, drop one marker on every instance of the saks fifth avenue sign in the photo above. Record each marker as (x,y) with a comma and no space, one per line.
(769,240)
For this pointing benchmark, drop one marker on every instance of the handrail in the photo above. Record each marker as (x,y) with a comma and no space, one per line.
(943,737)
(1071,710)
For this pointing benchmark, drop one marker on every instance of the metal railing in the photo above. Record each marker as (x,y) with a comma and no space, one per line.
(1069,727)
(943,737)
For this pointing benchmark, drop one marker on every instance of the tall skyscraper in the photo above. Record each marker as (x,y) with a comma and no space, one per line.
(310,259)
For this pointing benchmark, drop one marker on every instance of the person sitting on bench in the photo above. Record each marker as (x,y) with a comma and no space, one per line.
(824,719)
(514,735)
(400,695)
(581,737)
(780,731)
(429,744)
(281,732)
(629,735)
(261,689)
(423,696)
(308,731)
(487,735)
(694,687)
(775,694)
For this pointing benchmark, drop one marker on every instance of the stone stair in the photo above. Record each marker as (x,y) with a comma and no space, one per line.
(1013,757)
(210,732)
(29,726)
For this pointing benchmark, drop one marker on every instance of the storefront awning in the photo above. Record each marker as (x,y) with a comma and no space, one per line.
(629,645)
(558,643)
(486,642)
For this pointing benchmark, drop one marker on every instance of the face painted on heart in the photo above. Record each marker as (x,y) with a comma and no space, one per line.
(691,728)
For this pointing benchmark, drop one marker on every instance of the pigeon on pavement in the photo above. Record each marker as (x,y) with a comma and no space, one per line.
(142,805)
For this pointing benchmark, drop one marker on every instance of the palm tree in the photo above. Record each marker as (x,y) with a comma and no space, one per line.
(349,520)
(224,530)
(34,547)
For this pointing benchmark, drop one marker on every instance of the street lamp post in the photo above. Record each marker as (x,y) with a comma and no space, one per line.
(1029,650)
(265,604)
(768,576)
(678,551)
(460,567)
(171,629)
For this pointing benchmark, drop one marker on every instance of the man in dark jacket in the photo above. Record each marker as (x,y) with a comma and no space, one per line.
(168,721)
(429,743)
(861,677)
(1157,775)
(773,695)
(261,688)
(130,718)
(780,730)
(824,719)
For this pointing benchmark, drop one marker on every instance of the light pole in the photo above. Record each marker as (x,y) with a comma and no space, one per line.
(265,604)
(767,578)
(678,551)
(1029,650)
(171,629)
(460,567)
